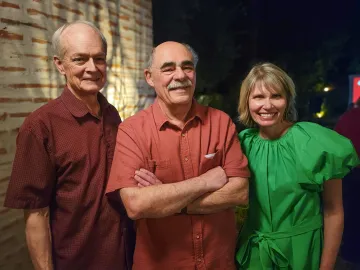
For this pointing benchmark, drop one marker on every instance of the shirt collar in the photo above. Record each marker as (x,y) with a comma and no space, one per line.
(78,108)
(197,111)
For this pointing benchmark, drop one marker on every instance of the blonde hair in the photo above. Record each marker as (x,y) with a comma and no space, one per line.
(274,79)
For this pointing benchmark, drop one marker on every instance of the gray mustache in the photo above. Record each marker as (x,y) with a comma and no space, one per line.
(174,85)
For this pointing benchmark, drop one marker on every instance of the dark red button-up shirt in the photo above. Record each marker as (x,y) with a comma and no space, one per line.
(349,126)
(62,160)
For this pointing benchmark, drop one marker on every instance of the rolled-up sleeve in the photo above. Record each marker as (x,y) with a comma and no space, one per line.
(128,158)
(235,162)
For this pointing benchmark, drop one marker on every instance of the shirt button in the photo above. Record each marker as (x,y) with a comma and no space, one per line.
(199,260)
(197,236)
(183,134)
(186,159)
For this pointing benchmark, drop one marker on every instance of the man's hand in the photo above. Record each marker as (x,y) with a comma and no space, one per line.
(215,178)
(146,178)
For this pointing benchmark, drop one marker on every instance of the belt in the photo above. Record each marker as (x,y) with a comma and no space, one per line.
(269,252)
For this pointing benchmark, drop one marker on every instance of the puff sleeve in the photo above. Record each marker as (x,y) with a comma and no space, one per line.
(322,153)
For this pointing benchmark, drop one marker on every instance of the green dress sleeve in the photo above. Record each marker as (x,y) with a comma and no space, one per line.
(322,153)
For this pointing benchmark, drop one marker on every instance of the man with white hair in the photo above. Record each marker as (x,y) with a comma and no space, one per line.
(179,170)
(62,162)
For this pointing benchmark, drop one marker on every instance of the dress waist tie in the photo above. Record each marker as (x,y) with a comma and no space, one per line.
(269,252)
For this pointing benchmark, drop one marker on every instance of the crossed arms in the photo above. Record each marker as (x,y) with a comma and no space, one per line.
(208,193)
(145,196)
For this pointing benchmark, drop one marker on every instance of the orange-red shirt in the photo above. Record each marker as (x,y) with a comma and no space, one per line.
(147,140)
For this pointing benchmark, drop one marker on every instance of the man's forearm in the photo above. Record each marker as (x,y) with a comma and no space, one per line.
(234,193)
(162,200)
(38,238)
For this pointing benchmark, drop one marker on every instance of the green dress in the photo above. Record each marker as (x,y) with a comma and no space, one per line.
(283,229)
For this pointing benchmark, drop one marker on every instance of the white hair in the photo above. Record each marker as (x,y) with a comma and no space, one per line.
(56,38)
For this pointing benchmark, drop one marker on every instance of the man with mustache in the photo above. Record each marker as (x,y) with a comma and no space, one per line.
(179,170)
(62,162)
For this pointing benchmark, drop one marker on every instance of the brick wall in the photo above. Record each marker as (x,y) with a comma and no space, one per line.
(28,78)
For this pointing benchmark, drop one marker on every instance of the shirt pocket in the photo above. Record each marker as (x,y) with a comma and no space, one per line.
(161,169)
(210,161)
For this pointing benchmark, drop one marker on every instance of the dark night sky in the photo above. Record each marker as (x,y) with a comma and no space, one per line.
(280,31)
(301,23)
(292,23)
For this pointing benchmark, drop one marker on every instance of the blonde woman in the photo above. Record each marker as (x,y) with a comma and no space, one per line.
(295,218)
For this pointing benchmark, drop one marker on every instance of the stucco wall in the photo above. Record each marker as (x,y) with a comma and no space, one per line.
(28,78)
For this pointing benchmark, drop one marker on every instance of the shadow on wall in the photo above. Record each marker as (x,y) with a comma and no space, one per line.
(131,42)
